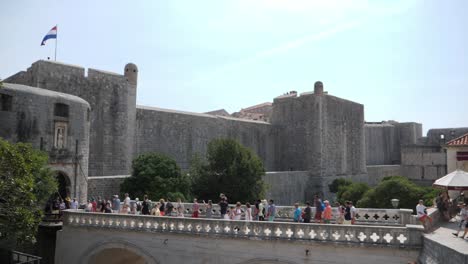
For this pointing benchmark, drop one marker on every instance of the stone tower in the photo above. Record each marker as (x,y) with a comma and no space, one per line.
(319,133)
(131,73)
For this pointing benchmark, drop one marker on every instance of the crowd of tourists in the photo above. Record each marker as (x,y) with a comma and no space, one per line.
(260,210)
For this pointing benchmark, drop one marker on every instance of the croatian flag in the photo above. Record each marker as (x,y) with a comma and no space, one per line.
(52,34)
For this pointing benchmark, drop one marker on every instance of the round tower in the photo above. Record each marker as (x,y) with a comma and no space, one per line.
(131,73)
(318,88)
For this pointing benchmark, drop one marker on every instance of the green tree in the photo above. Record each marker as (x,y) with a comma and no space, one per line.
(337,183)
(230,168)
(158,176)
(352,192)
(25,185)
(396,187)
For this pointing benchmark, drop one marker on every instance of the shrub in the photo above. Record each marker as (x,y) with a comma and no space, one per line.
(158,176)
(352,192)
(230,168)
(396,187)
(335,185)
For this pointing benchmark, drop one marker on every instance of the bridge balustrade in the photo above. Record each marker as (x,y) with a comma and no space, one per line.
(397,236)
(364,216)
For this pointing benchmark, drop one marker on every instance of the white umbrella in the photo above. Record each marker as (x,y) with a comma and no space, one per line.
(457,180)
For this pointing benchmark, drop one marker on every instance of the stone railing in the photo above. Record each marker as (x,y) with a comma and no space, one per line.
(408,236)
(364,216)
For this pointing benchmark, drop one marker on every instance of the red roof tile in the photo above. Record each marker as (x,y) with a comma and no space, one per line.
(459,141)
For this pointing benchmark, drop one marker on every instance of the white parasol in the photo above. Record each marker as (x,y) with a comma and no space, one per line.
(457,181)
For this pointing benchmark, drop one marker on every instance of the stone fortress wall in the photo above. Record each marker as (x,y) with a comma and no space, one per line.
(112,99)
(36,116)
(309,141)
(181,135)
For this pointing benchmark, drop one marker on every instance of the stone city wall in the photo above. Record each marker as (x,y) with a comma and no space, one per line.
(287,187)
(181,135)
(105,186)
(376,173)
(382,144)
(423,164)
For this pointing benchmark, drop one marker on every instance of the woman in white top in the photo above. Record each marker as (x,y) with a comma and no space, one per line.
(237,211)
(248,212)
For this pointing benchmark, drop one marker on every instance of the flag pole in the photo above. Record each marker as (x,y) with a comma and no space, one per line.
(56,40)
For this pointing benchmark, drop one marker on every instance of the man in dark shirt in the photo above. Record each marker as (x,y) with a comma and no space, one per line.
(347,215)
(307,213)
(223,204)
(145,206)
(169,208)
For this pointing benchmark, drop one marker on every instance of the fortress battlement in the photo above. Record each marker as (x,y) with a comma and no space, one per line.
(195,115)
(45,71)
(100,74)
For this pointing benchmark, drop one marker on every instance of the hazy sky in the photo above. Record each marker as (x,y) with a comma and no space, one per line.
(404,60)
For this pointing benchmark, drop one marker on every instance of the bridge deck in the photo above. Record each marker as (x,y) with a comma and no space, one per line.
(441,246)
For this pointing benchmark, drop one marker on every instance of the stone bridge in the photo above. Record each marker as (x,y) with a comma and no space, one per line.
(122,238)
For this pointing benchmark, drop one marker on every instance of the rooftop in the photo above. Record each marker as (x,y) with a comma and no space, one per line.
(459,141)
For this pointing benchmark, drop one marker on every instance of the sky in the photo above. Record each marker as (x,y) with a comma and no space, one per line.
(404,60)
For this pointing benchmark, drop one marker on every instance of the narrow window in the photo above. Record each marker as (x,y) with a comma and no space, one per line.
(61,110)
(6,102)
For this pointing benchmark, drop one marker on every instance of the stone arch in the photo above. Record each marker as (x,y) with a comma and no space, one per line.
(266,261)
(121,252)
(64,184)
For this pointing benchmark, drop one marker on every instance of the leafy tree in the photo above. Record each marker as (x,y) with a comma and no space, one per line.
(396,187)
(158,176)
(337,183)
(352,192)
(230,168)
(25,186)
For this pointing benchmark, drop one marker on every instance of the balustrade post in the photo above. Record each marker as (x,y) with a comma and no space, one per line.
(405,216)
(415,233)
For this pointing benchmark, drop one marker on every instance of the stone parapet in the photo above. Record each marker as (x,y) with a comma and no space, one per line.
(364,216)
(369,236)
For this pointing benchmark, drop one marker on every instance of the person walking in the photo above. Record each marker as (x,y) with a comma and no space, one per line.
(463,218)
(248,212)
(307,213)
(347,215)
(256,210)
(223,204)
(208,209)
(169,208)
(238,211)
(126,204)
(297,213)
(195,208)
(145,206)
(116,204)
(74,204)
(162,207)
(155,211)
(180,207)
(327,213)
(271,211)
(341,212)
(261,210)
(318,209)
